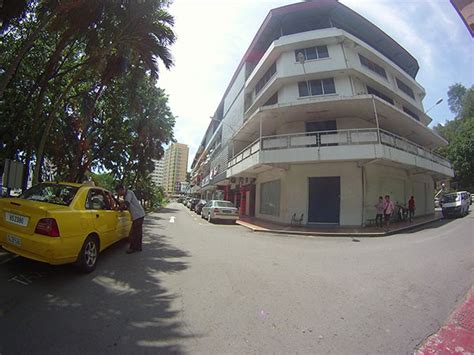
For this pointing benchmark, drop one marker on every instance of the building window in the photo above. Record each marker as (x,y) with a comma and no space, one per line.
(272,100)
(372,91)
(265,79)
(411,113)
(270,198)
(372,66)
(316,87)
(405,88)
(313,52)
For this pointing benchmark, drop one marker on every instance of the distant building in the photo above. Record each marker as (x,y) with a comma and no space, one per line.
(175,163)
(157,175)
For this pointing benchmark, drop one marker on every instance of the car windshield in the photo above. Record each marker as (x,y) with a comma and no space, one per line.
(223,204)
(450,197)
(57,194)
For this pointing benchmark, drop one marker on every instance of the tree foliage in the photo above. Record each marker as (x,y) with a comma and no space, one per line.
(460,135)
(78,86)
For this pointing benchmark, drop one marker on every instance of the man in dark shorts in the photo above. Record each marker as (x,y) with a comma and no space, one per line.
(138,214)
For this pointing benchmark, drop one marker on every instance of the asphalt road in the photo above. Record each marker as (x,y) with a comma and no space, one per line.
(211,288)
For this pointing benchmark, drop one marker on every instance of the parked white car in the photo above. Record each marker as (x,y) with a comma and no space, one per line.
(219,210)
(456,204)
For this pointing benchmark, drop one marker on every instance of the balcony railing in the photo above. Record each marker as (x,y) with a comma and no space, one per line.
(336,138)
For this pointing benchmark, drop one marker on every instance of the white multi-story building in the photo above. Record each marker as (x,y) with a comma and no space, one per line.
(157,175)
(322,116)
(175,168)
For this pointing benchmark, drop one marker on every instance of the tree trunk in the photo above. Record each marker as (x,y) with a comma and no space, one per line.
(10,72)
(81,163)
(44,83)
(49,124)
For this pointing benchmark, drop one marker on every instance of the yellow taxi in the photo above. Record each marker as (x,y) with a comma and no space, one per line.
(60,223)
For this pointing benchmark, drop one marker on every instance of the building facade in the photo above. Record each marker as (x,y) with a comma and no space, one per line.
(157,175)
(322,116)
(175,164)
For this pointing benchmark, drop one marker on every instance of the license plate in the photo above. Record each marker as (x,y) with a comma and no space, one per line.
(226,211)
(16,219)
(13,240)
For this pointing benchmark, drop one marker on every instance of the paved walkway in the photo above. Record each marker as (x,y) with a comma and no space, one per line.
(258,225)
(457,336)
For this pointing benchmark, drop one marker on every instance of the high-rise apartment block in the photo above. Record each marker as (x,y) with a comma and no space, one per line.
(175,164)
(158,174)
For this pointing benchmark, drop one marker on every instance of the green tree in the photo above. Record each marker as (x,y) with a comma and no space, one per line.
(58,61)
(460,135)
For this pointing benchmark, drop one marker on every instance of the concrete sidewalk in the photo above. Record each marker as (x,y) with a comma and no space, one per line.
(258,225)
(457,335)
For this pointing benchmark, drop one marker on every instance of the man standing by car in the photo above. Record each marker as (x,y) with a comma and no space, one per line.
(138,214)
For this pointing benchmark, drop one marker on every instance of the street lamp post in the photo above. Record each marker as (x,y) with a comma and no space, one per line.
(440,100)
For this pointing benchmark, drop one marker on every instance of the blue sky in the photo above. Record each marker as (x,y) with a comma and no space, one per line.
(213,35)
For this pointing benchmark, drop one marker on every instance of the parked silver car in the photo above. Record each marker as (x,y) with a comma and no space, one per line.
(219,210)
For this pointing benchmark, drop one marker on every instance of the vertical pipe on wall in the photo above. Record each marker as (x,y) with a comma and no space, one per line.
(347,66)
(376,119)
(363,194)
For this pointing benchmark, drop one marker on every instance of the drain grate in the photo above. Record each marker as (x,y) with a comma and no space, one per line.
(465,319)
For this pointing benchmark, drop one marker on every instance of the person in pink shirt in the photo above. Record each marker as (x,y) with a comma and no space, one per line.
(388,209)
(379,207)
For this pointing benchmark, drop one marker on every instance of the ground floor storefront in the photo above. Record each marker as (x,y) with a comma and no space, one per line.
(343,193)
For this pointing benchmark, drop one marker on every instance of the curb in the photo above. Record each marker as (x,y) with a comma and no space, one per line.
(455,336)
(335,234)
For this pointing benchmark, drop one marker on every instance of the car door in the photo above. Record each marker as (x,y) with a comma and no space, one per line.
(105,219)
(124,221)
(205,209)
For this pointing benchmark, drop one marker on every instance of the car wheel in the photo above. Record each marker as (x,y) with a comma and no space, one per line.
(209,219)
(87,259)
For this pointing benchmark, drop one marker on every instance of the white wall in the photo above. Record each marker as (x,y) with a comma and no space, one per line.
(380,181)
(340,61)
(341,123)
(352,55)
(234,107)
(294,196)
(288,66)
(289,93)
(400,185)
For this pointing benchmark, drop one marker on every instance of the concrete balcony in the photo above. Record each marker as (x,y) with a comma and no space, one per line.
(333,146)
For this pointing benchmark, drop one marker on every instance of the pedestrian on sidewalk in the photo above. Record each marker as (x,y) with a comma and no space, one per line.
(411,208)
(379,207)
(388,209)
(138,215)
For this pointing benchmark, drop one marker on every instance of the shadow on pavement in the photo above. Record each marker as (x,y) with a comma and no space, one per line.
(121,307)
(432,225)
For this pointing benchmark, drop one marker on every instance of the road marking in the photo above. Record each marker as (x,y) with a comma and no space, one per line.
(172,218)
(27,278)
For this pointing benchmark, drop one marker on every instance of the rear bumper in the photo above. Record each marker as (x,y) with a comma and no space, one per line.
(452,211)
(35,246)
(225,216)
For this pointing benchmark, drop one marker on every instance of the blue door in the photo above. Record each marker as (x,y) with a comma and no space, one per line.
(324,199)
